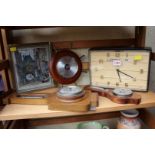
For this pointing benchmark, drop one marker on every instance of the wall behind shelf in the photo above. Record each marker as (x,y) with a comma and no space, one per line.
(85,33)
(72,33)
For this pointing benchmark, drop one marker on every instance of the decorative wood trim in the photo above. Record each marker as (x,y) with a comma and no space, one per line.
(71,119)
(140,33)
(148,118)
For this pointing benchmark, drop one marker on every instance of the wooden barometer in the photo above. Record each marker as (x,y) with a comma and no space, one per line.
(120,68)
(120,72)
(65,68)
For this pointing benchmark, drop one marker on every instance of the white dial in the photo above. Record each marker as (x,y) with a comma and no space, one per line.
(122,92)
(70,90)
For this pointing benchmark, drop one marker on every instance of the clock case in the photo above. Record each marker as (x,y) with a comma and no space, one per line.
(121,49)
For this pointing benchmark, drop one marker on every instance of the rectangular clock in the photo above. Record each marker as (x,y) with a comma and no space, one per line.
(124,68)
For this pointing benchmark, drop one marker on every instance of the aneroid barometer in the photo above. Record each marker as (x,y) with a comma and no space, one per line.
(120,68)
(65,68)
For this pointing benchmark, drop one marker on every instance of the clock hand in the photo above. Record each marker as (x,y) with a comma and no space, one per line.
(126,74)
(118,74)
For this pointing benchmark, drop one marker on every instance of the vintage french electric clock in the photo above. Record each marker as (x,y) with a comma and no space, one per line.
(120,68)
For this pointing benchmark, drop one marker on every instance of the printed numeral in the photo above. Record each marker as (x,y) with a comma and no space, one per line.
(101,77)
(117,84)
(141,71)
(117,54)
(101,61)
(126,84)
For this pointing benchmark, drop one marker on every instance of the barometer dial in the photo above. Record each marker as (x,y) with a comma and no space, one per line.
(65,67)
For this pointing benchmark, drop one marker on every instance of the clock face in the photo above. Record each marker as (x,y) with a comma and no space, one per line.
(120,69)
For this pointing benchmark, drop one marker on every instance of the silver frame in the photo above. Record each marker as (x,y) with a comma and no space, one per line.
(40,86)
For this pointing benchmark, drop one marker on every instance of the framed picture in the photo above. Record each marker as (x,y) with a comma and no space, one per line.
(30,66)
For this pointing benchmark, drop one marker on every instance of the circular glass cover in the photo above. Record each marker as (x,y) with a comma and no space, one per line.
(70,90)
(67,67)
(122,92)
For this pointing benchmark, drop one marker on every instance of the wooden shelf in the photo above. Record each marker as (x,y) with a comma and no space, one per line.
(39,114)
(19,111)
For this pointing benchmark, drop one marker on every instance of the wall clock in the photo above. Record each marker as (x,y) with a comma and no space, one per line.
(120,68)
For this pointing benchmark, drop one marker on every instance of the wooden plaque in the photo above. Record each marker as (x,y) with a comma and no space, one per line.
(82,105)
(124,68)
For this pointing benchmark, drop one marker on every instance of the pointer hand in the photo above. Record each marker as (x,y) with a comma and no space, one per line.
(125,74)
(118,74)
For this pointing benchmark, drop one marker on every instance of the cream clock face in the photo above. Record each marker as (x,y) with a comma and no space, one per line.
(120,69)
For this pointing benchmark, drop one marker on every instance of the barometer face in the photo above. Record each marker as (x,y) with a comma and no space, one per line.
(70,90)
(70,93)
(65,67)
(120,68)
(122,92)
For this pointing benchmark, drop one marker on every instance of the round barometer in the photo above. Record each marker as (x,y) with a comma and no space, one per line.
(122,92)
(65,67)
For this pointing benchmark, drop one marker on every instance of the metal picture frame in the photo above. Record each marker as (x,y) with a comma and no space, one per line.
(30,66)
